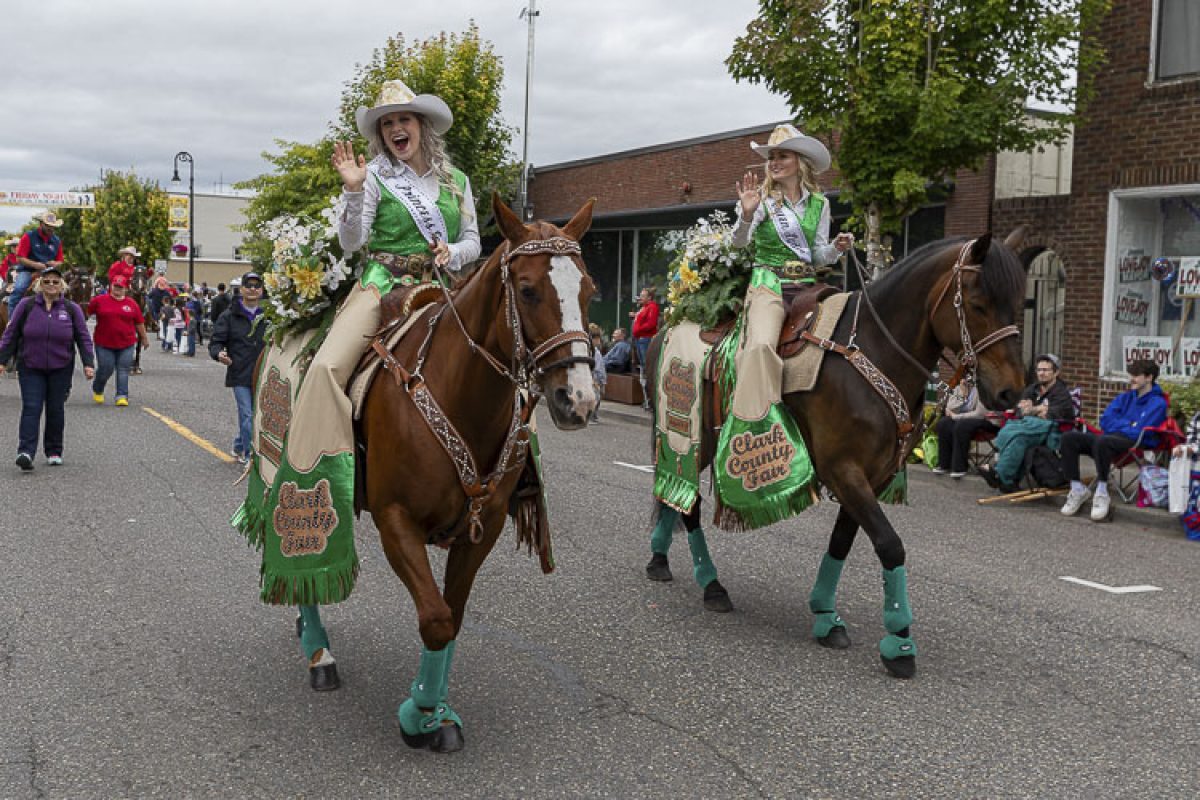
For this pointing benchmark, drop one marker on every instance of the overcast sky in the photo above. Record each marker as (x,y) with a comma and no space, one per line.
(121,84)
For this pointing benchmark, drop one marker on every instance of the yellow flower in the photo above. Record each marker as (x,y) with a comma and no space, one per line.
(271,281)
(308,282)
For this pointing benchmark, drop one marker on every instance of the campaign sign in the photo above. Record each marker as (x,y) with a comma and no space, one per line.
(1149,348)
(1132,308)
(1189,356)
(1188,280)
(1134,267)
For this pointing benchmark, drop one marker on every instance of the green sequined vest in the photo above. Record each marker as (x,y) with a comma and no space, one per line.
(770,250)
(394,230)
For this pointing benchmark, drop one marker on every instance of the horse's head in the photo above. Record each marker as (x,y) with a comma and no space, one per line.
(974,312)
(550,289)
(79,284)
(141,280)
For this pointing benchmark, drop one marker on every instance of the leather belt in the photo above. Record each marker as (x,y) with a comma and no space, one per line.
(418,265)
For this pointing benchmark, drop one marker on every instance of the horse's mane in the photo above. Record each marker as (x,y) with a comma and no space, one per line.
(1002,278)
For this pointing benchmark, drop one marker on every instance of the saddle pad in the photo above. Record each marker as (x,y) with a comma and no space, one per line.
(362,380)
(678,391)
(801,370)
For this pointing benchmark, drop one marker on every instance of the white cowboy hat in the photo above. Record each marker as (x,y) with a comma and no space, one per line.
(786,137)
(49,218)
(395,96)
(130,249)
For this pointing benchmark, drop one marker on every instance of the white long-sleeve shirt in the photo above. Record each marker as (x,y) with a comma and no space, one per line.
(822,251)
(354,226)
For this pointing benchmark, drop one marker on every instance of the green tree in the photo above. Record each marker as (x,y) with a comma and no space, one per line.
(462,69)
(129,211)
(917,89)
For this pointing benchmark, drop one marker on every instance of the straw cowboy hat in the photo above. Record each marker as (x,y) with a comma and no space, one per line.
(786,137)
(131,250)
(395,96)
(49,218)
(13,242)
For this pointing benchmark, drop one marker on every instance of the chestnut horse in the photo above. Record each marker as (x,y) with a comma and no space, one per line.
(517,328)
(948,295)
(80,285)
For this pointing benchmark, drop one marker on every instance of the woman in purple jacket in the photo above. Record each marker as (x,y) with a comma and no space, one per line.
(45,331)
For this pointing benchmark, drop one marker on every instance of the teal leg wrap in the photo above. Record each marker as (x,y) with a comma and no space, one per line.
(702,567)
(426,708)
(312,634)
(822,599)
(897,615)
(660,539)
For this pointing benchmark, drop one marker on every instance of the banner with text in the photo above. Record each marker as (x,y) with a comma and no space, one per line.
(48,199)
(1150,348)
(177,212)
(1189,355)
(1134,267)
(1188,282)
(1132,307)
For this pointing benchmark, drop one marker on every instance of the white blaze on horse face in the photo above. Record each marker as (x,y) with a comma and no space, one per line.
(567,281)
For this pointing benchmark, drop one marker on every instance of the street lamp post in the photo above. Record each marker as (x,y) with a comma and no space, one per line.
(186,157)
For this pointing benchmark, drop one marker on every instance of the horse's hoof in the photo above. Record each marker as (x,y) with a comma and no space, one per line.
(901,667)
(324,678)
(658,569)
(716,598)
(446,739)
(836,639)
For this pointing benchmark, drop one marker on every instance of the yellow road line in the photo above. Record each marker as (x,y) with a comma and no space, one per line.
(188,434)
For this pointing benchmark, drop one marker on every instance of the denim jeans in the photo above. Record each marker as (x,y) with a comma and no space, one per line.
(21,281)
(107,360)
(641,345)
(244,441)
(43,390)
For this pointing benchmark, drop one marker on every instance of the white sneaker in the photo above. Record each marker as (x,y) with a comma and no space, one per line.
(1075,501)
(1100,507)
(938,471)
(957,475)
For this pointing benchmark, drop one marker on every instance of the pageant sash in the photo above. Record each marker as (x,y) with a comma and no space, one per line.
(787,225)
(421,207)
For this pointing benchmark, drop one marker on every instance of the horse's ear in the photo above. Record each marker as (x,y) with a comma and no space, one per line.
(979,249)
(511,227)
(580,223)
(1017,238)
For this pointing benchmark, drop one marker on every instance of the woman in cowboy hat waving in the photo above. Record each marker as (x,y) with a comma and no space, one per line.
(786,218)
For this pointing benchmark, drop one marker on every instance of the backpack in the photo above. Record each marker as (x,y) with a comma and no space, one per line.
(1045,468)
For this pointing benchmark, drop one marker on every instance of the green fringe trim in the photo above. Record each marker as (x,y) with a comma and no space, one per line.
(726,353)
(675,491)
(251,520)
(896,492)
(319,587)
(765,513)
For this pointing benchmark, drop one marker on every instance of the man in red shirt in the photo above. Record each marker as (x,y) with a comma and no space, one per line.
(123,266)
(38,249)
(120,328)
(645,324)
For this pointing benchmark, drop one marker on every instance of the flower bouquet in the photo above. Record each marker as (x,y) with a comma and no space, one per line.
(309,274)
(709,277)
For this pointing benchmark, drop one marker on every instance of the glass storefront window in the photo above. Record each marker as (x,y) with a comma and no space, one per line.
(1150,308)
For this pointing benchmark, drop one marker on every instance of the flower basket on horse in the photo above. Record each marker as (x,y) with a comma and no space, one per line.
(853,384)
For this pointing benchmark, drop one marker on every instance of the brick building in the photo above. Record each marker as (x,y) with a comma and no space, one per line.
(1134,197)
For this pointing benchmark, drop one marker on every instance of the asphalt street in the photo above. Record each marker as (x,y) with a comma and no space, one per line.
(137,661)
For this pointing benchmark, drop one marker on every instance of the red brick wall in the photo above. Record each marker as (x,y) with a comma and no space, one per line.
(1133,136)
(968,212)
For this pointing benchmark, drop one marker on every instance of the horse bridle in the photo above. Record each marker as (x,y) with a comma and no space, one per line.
(525,370)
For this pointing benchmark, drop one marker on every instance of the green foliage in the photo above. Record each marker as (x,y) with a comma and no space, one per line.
(1185,399)
(709,277)
(462,69)
(129,211)
(918,89)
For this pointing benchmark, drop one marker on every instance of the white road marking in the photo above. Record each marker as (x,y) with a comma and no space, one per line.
(1111,589)
(638,467)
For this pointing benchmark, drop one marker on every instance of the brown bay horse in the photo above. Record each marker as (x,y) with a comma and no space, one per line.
(951,295)
(517,328)
(80,285)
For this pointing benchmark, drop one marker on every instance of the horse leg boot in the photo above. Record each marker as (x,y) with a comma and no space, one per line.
(660,542)
(715,597)
(322,669)
(426,719)
(897,649)
(829,628)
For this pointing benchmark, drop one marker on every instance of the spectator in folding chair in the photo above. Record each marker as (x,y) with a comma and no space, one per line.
(1044,403)
(1122,426)
(965,417)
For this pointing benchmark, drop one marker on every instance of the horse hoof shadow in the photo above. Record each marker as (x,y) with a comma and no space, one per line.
(446,739)
(902,667)
(658,569)
(324,678)
(836,639)
(716,598)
